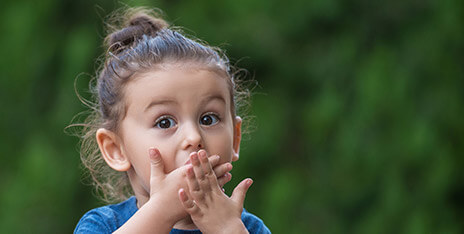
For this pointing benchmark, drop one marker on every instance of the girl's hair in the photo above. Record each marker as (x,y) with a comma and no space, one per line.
(138,41)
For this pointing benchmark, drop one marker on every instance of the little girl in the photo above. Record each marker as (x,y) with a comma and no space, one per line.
(163,134)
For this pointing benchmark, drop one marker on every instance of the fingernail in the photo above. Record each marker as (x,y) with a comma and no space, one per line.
(202,153)
(194,157)
(153,153)
(182,194)
(249,182)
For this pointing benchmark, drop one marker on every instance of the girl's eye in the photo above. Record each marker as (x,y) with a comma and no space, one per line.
(165,123)
(209,119)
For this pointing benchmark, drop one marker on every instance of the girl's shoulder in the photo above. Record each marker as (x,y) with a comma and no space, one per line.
(107,219)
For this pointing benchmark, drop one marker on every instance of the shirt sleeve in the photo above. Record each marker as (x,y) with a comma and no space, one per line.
(93,222)
(254,224)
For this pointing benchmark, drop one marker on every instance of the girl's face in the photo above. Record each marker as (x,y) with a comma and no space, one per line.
(177,110)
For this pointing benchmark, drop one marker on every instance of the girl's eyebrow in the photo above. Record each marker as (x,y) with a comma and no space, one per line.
(214,97)
(170,101)
(159,102)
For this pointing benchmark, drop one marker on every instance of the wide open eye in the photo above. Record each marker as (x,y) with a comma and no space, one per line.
(165,122)
(209,119)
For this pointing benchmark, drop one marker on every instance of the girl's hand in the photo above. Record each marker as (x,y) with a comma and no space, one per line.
(210,208)
(162,210)
(163,187)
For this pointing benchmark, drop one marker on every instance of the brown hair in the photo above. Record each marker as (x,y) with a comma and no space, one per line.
(138,40)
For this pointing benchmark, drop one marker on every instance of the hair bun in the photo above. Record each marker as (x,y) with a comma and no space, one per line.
(135,27)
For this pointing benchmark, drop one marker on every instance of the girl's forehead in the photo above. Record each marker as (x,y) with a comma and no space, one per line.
(181,85)
(180,74)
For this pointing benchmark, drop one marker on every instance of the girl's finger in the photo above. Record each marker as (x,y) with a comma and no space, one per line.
(204,162)
(210,177)
(214,160)
(156,163)
(224,179)
(202,179)
(239,193)
(199,174)
(222,169)
(194,188)
(187,202)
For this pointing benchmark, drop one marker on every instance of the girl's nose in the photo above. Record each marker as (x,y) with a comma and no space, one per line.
(192,137)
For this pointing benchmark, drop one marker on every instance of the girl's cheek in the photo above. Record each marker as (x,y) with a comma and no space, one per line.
(222,150)
(226,153)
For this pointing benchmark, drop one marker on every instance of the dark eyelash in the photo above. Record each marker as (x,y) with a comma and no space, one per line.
(164,117)
(213,113)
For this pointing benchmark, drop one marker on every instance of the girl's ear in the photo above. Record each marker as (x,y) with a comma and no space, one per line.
(111,150)
(237,138)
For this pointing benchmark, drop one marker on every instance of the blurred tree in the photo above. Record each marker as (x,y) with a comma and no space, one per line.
(358,116)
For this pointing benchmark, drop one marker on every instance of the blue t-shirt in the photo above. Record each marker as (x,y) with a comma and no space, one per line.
(108,219)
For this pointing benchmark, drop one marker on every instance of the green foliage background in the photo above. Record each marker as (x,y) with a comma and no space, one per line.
(358,116)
